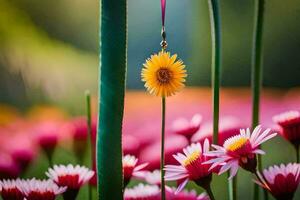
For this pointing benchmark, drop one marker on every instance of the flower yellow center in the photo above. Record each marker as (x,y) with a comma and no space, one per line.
(164,76)
(237,144)
(191,158)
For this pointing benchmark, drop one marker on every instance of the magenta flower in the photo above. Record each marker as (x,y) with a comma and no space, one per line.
(239,150)
(187,128)
(11,190)
(131,169)
(8,167)
(281,181)
(142,192)
(191,166)
(41,189)
(47,138)
(80,137)
(289,123)
(71,177)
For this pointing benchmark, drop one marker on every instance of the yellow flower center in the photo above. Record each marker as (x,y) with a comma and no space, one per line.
(237,144)
(164,76)
(191,158)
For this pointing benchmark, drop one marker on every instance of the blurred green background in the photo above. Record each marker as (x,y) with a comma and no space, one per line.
(48,49)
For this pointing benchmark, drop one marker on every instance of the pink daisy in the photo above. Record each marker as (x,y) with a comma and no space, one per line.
(131,169)
(289,123)
(72,177)
(142,192)
(153,178)
(41,189)
(281,181)
(239,150)
(186,195)
(191,166)
(11,189)
(187,128)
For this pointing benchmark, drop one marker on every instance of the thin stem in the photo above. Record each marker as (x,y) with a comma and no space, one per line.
(89,139)
(215,21)
(210,193)
(297,153)
(162,155)
(232,188)
(257,57)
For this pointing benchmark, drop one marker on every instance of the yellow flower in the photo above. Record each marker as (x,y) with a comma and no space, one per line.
(163,75)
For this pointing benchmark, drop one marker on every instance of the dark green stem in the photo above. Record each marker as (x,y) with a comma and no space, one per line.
(162,152)
(257,59)
(215,21)
(89,138)
(112,75)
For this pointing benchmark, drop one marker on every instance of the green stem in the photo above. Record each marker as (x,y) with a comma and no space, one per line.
(232,188)
(89,138)
(215,20)
(257,59)
(297,153)
(112,75)
(162,152)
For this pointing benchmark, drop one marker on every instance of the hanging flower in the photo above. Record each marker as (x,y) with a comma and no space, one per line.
(41,189)
(289,123)
(186,195)
(142,192)
(239,150)
(131,169)
(11,189)
(281,181)
(191,166)
(71,177)
(187,128)
(163,75)
(153,178)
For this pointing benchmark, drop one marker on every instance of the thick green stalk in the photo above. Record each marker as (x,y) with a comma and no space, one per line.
(113,47)
(215,20)
(89,138)
(162,150)
(257,60)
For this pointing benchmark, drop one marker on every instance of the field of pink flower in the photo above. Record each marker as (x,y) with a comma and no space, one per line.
(27,138)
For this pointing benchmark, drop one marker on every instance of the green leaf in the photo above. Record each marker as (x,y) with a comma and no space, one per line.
(113,41)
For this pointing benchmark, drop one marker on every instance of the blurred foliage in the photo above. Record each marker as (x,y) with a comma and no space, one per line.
(48,48)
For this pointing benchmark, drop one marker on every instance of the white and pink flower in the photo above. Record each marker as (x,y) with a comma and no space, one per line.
(131,169)
(153,178)
(41,189)
(185,195)
(142,192)
(289,123)
(239,150)
(11,189)
(72,177)
(191,166)
(281,181)
(186,127)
